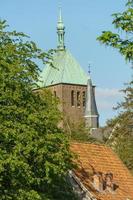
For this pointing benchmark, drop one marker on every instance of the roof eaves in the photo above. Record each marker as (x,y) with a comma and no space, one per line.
(74,84)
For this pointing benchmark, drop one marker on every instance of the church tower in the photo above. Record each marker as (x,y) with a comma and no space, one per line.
(67,80)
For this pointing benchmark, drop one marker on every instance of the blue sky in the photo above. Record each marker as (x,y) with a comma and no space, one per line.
(84,21)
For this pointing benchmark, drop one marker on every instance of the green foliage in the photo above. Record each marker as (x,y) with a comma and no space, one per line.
(124,149)
(121,137)
(78,132)
(127,104)
(34,153)
(62,190)
(124,42)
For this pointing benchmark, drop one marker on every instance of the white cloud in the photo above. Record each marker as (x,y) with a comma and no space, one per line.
(107,92)
(104,105)
(107,98)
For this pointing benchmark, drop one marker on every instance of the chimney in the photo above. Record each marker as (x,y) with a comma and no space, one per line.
(97,181)
(109,182)
(104,182)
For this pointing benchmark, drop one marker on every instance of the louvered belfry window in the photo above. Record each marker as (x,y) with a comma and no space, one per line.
(83,98)
(72,98)
(78,98)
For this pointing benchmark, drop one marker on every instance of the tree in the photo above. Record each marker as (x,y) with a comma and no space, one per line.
(124,23)
(34,152)
(121,138)
(79,132)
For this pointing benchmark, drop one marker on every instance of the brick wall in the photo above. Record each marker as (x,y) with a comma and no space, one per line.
(72,107)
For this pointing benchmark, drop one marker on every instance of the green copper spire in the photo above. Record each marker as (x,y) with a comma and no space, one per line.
(60,32)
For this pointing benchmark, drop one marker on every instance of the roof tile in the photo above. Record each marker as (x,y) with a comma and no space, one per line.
(102,158)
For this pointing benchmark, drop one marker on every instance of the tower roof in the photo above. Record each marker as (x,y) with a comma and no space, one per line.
(90,107)
(65,70)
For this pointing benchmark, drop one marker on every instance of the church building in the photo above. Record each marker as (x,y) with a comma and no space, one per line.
(68,81)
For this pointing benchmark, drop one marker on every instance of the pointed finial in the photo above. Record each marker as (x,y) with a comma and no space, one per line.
(60,15)
(60,24)
(60,31)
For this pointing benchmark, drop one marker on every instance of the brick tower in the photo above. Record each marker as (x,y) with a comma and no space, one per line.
(66,79)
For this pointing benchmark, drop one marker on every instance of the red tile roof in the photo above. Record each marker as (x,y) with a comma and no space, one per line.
(102,159)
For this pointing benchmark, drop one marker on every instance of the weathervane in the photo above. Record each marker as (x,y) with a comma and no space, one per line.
(89,69)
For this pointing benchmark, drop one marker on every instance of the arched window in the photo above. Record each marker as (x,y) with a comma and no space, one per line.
(83,98)
(78,99)
(72,98)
